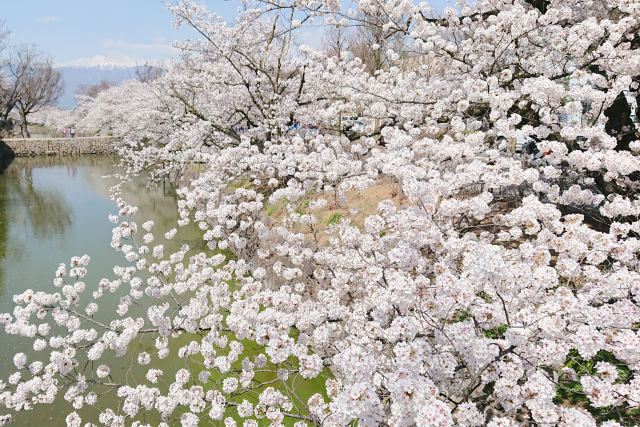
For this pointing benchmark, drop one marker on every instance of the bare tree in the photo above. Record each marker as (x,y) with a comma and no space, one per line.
(91,91)
(8,90)
(336,41)
(372,39)
(38,82)
(147,72)
(4,35)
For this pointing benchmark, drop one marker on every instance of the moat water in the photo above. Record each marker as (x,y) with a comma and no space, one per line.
(53,208)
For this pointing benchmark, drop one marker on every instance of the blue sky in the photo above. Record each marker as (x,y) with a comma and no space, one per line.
(89,32)
(92,32)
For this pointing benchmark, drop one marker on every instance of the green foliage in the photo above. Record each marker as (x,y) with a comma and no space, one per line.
(460,316)
(485,296)
(495,333)
(334,218)
(587,367)
(569,392)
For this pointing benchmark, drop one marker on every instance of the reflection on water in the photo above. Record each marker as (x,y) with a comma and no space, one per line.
(48,212)
(3,227)
(35,243)
(53,208)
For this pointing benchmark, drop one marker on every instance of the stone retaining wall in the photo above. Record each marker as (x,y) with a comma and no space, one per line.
(61,146)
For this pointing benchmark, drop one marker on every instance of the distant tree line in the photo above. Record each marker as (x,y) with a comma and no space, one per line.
(144,73)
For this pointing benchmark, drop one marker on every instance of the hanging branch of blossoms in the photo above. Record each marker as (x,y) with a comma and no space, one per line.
(481,286)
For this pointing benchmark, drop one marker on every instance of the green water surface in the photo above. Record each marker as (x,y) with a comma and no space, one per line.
(54,208)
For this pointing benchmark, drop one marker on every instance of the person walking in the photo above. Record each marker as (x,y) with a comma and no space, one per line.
(72,131)
(64,132)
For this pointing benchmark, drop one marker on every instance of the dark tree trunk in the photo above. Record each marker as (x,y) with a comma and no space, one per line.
(24,130)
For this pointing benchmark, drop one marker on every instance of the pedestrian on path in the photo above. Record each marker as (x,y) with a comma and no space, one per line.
(72,131)
(64,132)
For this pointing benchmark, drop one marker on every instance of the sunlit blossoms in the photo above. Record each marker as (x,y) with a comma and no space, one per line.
(448,238)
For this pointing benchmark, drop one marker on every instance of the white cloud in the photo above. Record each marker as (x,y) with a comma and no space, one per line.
(311,38)
(112,61)
(47,19)
(102,60)
(126,54)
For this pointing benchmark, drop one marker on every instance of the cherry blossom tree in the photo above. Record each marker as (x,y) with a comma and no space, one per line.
(491,287)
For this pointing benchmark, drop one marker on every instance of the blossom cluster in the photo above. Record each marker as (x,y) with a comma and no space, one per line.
(476,285)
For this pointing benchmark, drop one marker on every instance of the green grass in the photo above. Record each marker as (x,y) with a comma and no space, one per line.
(334,218)
(274,208)
(304,388)
(570,393)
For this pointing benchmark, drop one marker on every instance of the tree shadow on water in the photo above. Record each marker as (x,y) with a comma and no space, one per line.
(46,211)
(3,230)
(6,156)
